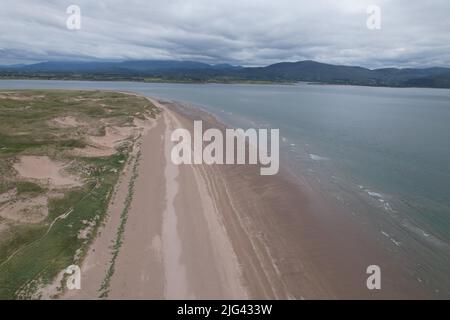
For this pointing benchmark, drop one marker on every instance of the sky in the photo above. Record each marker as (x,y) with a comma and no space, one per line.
(246,32)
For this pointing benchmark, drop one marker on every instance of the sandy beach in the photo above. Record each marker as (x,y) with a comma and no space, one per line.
(225,232)
(175,245)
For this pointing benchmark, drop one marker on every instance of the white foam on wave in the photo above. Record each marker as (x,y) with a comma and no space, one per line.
(388,207)
(375,194)
(381,199)
(427,236)
(315,157)
(397,243)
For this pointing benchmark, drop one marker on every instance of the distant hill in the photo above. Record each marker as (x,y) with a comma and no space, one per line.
(192,71)
(327,73)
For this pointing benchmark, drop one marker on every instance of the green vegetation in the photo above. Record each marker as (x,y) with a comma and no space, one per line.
(104,289)
(26,187)
(195,72)
(32,254)
(196,79)
(21,187)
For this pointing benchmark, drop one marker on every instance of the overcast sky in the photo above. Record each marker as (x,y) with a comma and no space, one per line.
(246,32)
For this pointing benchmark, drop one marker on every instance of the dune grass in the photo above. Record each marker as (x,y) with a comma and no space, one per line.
(31,255)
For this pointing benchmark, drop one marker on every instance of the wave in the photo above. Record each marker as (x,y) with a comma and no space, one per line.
(397,243)
(315,157)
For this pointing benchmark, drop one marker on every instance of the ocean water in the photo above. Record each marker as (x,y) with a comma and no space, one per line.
(382,154)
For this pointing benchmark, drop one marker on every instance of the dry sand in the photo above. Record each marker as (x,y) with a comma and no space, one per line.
(45,169)
(113,135)
(30,210)
(106,145)
(175,245)
(214,232)
(8,195)
(67,122)
(40,169)
(19,97)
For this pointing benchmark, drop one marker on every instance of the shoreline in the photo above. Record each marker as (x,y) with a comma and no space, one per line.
(296,233)
(294,83)
(262,237)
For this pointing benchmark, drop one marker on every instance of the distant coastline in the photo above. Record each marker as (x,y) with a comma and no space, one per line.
(155,71)
(151,80)
(255,82)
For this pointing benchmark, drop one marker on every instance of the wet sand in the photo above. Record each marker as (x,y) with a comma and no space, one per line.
(226,232)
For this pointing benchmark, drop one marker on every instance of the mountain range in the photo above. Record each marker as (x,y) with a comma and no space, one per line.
(192,71)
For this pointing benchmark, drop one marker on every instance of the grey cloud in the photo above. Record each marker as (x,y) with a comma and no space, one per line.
(247,32)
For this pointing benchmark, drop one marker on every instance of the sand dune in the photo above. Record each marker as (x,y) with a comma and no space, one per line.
(43,168)
(30,210)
